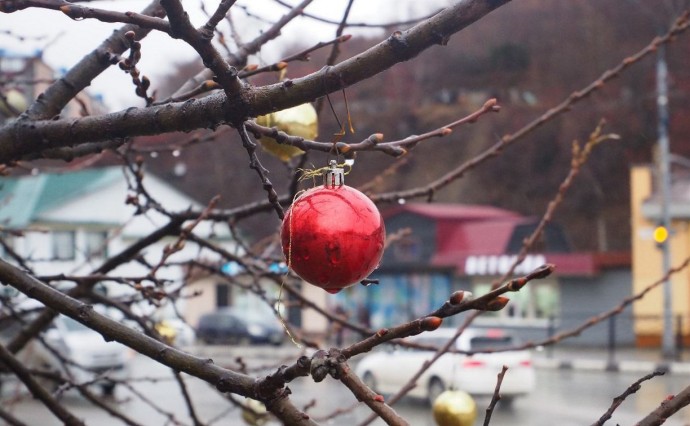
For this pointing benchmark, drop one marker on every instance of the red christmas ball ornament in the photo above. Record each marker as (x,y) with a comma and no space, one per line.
(333,235)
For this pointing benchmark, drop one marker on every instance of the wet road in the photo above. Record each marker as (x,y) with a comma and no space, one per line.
(562,397)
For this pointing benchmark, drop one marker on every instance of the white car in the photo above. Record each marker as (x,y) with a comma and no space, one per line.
(92,358)
(387,370)
(92,355)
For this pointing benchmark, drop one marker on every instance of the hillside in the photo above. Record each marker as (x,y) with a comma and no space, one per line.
(514,56)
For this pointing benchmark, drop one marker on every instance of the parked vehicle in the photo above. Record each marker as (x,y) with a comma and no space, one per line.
(90,359)
(228,325)
(386,371)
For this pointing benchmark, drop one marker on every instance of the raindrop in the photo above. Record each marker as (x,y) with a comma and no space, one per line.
(176,153)
(154,154)
(401,201)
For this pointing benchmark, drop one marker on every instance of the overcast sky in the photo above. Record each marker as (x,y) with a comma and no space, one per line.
(160,54)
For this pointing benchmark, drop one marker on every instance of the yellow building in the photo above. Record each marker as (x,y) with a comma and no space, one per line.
(647,266)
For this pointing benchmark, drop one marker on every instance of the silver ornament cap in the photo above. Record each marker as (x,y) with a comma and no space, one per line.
(334,177)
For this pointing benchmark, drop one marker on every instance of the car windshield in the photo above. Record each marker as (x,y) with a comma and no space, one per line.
(481,343)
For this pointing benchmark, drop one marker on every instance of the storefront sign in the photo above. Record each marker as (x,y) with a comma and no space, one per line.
(501,263)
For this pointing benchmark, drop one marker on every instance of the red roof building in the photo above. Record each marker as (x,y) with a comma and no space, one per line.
(441,248)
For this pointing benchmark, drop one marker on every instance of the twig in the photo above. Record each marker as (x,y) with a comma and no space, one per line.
(496,396)
(200,40)
(369,397)
(617,401)
(671,405)
(239,59)
(224,380)
(385,25)
(38,391)
(680,25)
(89,67)
(255,164)
(374,142)
(77,12)
(10,419)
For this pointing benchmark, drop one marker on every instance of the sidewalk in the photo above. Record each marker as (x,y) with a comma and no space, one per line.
(599,359)
(558,357)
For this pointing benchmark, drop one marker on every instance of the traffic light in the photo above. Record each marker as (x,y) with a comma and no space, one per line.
(660,235)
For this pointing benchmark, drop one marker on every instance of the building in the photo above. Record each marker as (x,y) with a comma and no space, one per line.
(23,77)
(468,247)
(647,257)
(70,222)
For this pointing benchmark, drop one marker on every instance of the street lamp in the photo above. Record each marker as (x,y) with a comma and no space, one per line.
(667,342)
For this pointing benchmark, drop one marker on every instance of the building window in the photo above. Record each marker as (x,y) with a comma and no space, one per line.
(535,301)
(96,244)
(63,245)
(222,295)
(12,65)
(408,249)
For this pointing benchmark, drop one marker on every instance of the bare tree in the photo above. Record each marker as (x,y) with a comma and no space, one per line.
(221,100)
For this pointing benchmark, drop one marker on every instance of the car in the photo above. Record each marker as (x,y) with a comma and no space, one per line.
(90,358)
(228,325)
(387,370)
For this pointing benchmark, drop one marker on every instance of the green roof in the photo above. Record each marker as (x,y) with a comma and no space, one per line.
(24,198)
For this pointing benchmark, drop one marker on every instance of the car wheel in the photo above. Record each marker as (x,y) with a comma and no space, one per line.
(369,380)
(435,388)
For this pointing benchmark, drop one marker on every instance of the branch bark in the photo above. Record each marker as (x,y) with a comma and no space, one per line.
(23,137)
(224,380)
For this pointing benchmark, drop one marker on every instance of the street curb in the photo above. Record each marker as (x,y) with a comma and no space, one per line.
(627,366)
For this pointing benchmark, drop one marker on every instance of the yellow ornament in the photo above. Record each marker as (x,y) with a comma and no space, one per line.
(16,100)
(256,414)
(454,408)
(296,121)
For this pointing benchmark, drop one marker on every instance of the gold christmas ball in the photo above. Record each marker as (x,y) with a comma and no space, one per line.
(296,121)
(256,415)
(454,408)
(17,101)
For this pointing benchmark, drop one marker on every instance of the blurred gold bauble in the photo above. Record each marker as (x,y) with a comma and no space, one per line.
(296,121)
(17,101)
(257,415)
(454,408)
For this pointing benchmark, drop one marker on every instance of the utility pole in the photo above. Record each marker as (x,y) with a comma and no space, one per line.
(667,343)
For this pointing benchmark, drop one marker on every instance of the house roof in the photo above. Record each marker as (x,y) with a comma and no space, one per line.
(451,211)
(24,198)
(476,240)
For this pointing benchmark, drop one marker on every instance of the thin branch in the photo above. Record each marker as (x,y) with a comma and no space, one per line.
(670,406)
(38,391)
(77,12)
(679,26)
(200,40)
(10,419)
(374,142)
(239,59)
(89,67)
(617,401)
(374,401)
(255,164)
(496,396)
(18,139)
(224,380)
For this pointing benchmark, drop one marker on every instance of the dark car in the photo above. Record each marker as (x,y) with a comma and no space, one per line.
(230,326)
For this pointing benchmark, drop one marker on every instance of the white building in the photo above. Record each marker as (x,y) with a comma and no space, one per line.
(70,223)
